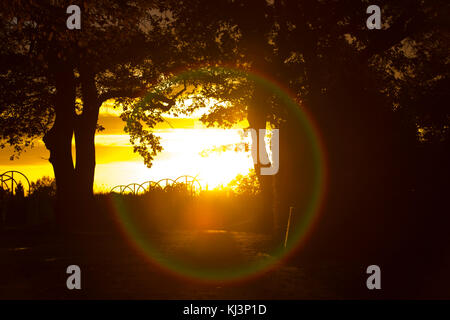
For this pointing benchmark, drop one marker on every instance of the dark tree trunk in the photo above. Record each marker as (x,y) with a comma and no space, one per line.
(58,139)
(85,128)
(85,159)
(256,117)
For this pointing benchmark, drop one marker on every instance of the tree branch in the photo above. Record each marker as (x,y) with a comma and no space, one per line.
(121,93)
(382,40)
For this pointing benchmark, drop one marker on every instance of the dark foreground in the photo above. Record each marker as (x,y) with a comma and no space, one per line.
(34,267)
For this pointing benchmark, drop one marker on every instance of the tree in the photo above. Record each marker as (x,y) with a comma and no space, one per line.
(325,54)
(350,79)
(354,81)
(44,185)
(56,68)
(37,52)
(214,35)
(245,185)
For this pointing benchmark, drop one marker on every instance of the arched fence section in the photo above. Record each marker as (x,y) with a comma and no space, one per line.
(10,181)
(192,184)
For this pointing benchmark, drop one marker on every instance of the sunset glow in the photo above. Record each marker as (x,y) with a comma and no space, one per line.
(182,155)
(184,142)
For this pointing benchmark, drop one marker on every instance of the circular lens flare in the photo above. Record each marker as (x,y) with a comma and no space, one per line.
(215,255)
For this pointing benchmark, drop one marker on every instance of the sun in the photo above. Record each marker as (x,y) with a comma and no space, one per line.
(215,156)
(219,170)
(210,155)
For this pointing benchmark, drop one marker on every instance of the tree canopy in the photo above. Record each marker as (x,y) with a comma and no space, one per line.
(375,94)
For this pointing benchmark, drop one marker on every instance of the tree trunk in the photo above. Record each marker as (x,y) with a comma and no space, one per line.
(86,124)
(58,139)
(256,117)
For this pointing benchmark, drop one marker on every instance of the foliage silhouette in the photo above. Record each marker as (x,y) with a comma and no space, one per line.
(378,97)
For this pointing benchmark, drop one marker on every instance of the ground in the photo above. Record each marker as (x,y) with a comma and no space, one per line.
(34,267)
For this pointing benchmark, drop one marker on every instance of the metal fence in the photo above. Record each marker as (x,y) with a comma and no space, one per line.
(10,181)
(191,183)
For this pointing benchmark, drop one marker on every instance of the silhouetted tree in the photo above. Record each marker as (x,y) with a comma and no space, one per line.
(368,90)
(46,67)
(44,185)
(363,87)
(245,185)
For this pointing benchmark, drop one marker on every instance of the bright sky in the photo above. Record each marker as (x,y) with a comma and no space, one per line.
(118,165)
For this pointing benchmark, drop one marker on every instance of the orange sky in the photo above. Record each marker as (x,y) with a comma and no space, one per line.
(117,164)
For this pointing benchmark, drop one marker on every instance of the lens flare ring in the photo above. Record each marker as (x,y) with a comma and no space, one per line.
(301,231)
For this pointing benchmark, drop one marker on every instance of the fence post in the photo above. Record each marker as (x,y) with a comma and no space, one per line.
(291,210)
